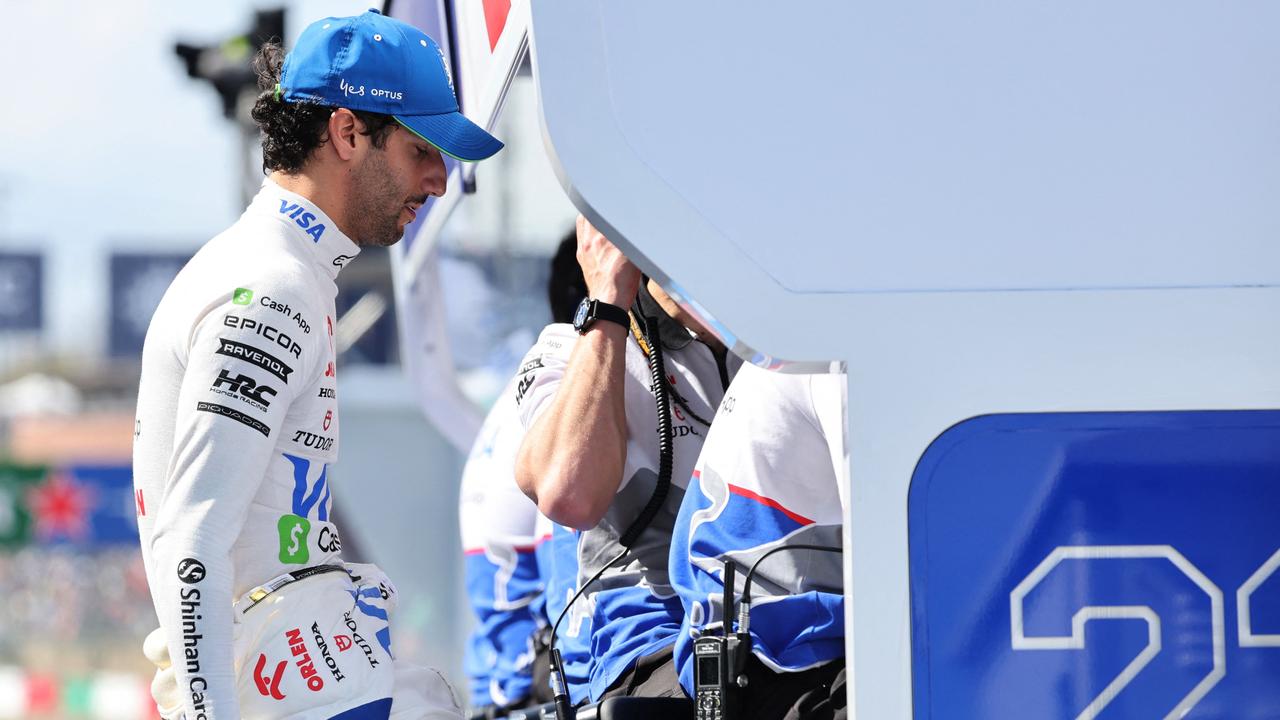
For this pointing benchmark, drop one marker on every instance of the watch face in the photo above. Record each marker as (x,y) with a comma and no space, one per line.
(580,317)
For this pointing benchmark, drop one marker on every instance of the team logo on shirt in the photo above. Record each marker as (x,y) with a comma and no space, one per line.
(243,388)
(233,414)
(190,571)
(298,647)
(254,356)
(294,533)
(270,333)
(312,440)
(328,540)
(269,686)
(329,662)
(523,386)
(358,640)
(302,218)
(284,309)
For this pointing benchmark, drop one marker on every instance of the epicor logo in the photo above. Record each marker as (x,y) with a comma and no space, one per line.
(294,532)
(190,571)
(269,687)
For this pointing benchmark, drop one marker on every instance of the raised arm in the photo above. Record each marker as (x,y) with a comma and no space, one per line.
(575,449)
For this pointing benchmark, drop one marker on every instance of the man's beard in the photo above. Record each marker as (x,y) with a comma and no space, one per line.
(376,203)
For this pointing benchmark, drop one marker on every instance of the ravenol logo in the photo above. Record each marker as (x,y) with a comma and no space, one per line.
(242,296)
(294,531)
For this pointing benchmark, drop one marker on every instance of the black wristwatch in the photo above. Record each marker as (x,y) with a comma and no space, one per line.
(589,311)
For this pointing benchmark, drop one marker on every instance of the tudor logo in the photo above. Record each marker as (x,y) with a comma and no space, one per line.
(269,686)
(190,571)
(343,642)
(328,418)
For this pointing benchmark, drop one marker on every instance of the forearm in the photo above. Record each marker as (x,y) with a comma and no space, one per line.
(572,458)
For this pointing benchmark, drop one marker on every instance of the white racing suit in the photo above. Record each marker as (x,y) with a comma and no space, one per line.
(237,424)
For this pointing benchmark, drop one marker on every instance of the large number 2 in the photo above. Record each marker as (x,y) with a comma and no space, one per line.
(1248,638)
(1075,641)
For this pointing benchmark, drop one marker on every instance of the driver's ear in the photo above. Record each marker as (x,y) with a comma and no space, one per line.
(344,127)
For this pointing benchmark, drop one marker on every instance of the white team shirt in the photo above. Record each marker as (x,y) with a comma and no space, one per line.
(237,423)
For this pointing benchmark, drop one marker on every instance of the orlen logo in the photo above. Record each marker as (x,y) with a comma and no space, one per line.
(315,683)
(190,571)
(269,687)
(302,218)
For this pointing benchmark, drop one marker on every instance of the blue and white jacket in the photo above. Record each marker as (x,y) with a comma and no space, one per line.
(767,477)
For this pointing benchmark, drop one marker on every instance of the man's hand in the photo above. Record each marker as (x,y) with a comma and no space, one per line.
(610,276)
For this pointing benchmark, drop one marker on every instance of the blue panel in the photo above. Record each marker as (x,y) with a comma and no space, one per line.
(1153,522)
(138,282)
(21,291)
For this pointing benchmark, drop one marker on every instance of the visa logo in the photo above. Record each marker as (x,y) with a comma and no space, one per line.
(302,218)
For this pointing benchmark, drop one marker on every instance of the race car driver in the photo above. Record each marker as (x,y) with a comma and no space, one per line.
(237,421)
(590,459)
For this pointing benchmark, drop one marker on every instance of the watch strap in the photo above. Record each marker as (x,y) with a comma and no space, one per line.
(612,313)
(597,310)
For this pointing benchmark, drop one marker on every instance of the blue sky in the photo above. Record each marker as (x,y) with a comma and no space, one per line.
(109,146)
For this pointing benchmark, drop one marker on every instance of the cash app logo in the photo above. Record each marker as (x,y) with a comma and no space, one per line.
(294,532)
(242,296)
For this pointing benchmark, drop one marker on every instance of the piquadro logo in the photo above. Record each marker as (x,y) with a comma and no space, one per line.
(242,296)
(302,218)
(294,532)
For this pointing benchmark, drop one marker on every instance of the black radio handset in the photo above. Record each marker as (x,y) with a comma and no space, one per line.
(651,344)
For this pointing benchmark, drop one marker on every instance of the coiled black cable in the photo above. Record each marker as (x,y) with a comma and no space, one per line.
(666,447)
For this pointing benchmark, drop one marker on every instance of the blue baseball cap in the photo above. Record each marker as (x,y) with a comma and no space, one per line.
(379,64)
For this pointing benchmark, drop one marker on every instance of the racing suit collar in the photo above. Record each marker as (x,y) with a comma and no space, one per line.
(306,223)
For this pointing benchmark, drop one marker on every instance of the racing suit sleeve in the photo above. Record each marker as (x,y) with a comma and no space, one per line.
(242,372)
(541,371)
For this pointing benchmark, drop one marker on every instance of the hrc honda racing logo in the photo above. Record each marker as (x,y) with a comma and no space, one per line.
(191,572)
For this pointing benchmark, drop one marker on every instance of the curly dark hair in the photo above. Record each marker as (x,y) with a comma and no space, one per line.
(291,131)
